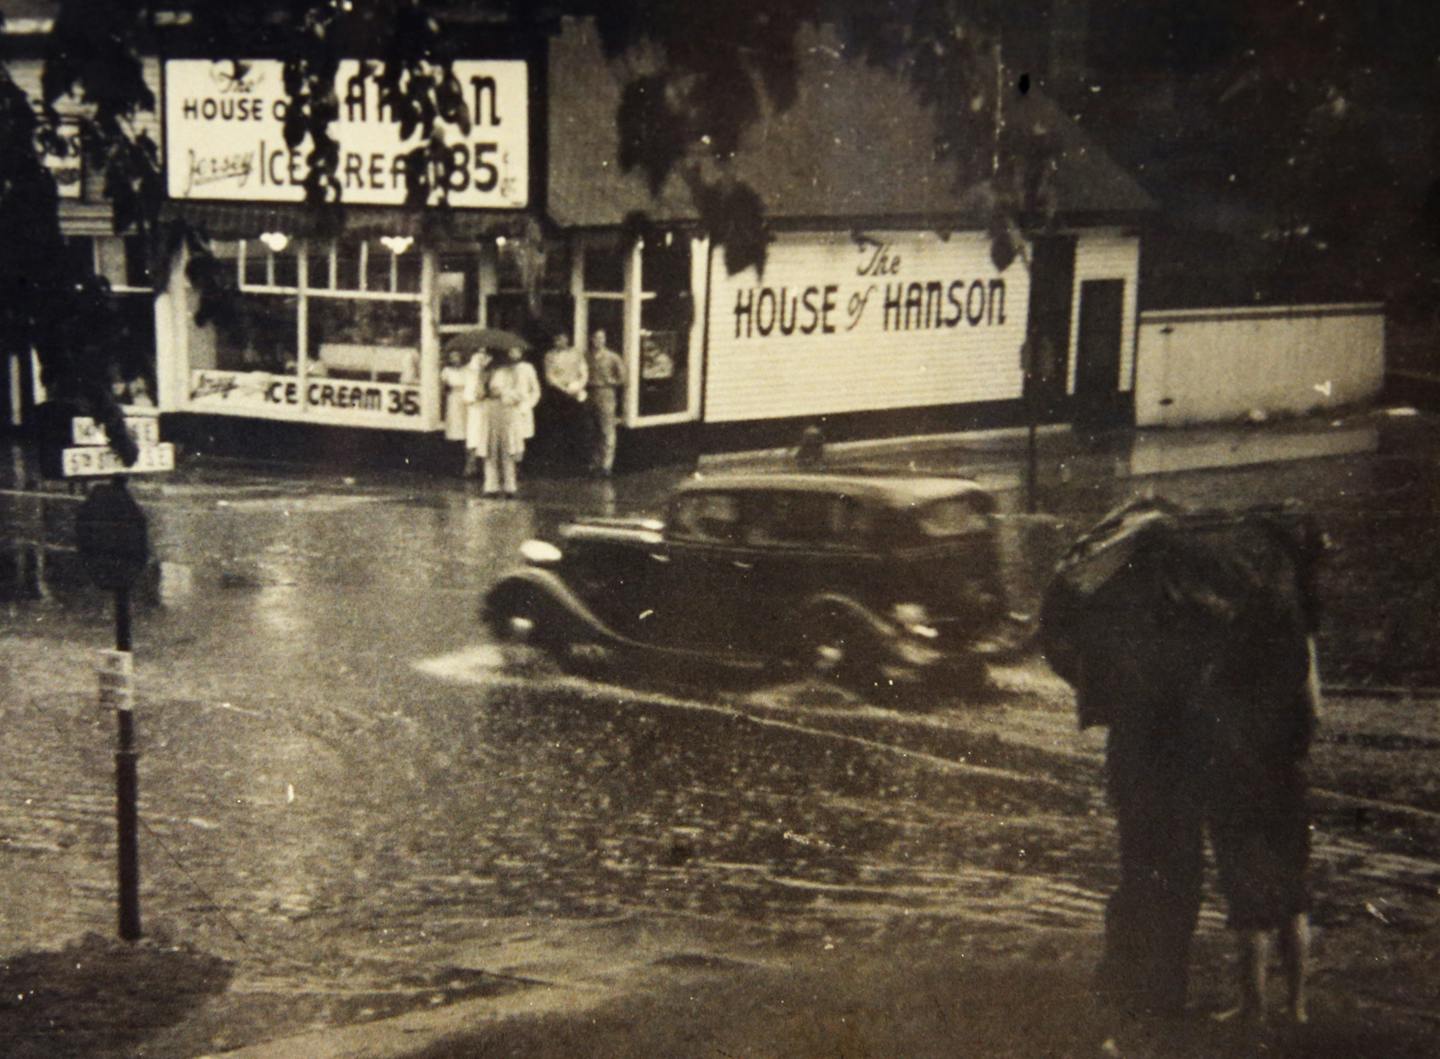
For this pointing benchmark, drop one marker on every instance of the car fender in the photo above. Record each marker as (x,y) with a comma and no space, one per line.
(587,623)
(558,594)
(853,610)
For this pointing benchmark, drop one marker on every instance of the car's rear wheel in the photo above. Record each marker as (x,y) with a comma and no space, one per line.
(835,648)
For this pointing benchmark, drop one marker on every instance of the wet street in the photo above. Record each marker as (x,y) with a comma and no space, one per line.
(352,802)
(340,774)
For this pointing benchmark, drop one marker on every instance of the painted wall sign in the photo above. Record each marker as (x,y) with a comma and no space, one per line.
(224,135)
(844,322)
(338,401)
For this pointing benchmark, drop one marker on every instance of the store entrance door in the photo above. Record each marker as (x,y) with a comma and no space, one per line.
(1098,404)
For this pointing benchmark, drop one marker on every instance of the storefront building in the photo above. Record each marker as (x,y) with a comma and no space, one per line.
(879,310)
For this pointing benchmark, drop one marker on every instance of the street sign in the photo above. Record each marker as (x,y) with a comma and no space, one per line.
(85,431)
(91,460)
(116,671)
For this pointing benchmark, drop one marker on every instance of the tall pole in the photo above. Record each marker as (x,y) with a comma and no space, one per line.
(126,788)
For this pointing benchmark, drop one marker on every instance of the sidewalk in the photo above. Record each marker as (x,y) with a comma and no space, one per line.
(999,458)
(952,988)
(996,458)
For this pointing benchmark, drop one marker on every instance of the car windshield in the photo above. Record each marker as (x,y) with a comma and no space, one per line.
(956,517)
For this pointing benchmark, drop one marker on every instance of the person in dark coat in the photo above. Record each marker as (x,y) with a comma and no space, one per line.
(1191,638)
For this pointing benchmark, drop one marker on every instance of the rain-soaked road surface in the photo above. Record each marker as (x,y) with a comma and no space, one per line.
(339,773)
(343,783)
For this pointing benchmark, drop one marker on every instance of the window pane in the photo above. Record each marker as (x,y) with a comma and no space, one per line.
(712,516)
(507,268)
(556,276)
(366,339)
(287,267)
(110,260)
(134,346)
(137,263)
(319,268)
(664,362)
(458,278)
(257,332)
(548,261)
(512,312)
(604,269)
(665,267)
(408,272)
(257,257)
(377,268)
(951,518)
(347,265)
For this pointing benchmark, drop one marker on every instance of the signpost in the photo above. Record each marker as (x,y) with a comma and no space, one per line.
(114,543)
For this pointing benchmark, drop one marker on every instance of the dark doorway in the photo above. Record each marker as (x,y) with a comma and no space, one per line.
(1052,279)
(1098,402)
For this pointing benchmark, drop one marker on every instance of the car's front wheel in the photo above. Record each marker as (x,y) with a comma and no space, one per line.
(520,613)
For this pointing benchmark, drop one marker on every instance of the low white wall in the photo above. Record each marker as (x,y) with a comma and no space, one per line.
(1213,365)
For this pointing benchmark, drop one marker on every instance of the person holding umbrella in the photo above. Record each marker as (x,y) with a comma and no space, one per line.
(512,390)
(1191,636)
(499,401)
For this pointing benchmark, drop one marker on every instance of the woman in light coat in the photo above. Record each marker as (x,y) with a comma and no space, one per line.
(473,395)
(452,386)
(513,390)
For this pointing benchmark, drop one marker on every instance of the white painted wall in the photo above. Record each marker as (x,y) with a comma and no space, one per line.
(841,344)
(1213,365)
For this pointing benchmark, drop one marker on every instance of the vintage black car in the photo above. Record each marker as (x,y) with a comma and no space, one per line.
(866,580)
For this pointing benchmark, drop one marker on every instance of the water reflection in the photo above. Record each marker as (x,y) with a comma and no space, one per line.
(22,573)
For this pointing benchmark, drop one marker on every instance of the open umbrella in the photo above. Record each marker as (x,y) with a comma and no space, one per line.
(1154,586)
(485,338)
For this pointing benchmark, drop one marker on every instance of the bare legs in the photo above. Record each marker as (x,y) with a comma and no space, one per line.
(1253,962)
(1294,957)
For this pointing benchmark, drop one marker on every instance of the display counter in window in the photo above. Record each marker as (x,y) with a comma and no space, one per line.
(662,383)
(380,363)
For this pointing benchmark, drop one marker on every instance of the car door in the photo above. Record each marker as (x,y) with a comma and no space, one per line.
(807,544)
(703,572)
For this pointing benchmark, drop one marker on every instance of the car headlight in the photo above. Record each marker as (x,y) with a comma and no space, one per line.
(541,553)
(916,620)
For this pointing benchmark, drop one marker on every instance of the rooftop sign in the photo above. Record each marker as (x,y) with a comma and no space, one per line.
(224,135)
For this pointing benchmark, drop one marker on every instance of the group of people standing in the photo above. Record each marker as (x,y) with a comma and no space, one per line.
(491,406)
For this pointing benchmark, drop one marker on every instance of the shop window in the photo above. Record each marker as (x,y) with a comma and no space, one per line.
(320,268)
(361,302)
(458,279)
(271,264)
(123,264)
(512,307)
(374,340)
(257,333)
(666,313)
(605,268)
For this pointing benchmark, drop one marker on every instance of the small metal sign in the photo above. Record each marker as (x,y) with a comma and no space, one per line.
(93,460)
(116,670)
(86,431)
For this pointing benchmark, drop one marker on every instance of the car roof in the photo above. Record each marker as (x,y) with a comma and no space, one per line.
(899,491)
